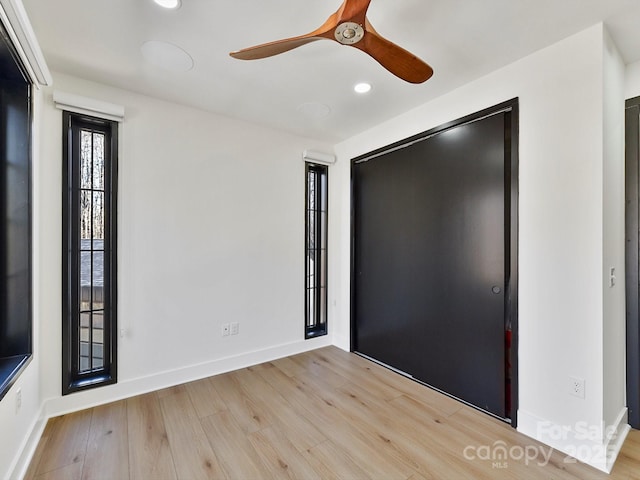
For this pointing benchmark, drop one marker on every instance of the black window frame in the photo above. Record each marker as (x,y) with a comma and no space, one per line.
(73,379)
(316,238)
(16,319)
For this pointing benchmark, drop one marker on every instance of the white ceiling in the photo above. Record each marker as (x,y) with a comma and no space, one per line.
(462,40)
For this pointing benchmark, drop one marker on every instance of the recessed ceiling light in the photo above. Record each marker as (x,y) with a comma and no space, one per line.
(362,88)
(168,3)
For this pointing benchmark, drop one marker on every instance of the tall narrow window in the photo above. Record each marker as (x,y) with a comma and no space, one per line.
(89,229)
(316,251)
(15,216)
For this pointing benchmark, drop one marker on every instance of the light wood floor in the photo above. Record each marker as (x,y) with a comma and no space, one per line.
(326,414)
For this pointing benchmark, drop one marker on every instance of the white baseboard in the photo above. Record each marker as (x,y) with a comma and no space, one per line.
(595,445)
(137,386)
(82,400)
(343,343)
(618,435)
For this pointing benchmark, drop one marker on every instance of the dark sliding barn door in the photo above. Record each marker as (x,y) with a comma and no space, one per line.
(632,192)
(431,260)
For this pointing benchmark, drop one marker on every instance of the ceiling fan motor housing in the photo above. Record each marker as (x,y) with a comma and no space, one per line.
(349,33)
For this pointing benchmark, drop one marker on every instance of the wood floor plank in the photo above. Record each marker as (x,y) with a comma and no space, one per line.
(419,418)
(399,436)
(251,414)
(281,458)
(634,438)
(333,463)
(149,452)
(419,421)
(108,446)
(336,425)
(370,437)
(300,431)
(70,472)
(629,458)
(312,366)
(417,476)
(192,454)
(297,418)
(320,403)
(632,445)
(350,370)
(426,395)
(289,366)
(67,441)
(390,435)
(298,395)
(397,382)
(165,392)
(205,398)
(299,401)
(40,450)
(234,451)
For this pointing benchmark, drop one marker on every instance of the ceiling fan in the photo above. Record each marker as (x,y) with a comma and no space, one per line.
(350,26)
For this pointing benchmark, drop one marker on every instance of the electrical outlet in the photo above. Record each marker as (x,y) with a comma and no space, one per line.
(18,399)
(225,330)
(576,387)
(235,328)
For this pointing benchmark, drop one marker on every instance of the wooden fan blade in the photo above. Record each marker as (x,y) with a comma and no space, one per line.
(272,48)
(397,60)
(349,11)
(281,46)
(353,11)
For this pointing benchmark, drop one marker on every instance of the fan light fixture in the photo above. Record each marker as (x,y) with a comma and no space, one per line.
(362,88)
(168,3)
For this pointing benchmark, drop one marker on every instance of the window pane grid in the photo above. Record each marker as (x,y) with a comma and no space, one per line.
(316,251)
(90,351)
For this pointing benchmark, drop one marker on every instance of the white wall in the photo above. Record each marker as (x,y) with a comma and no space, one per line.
(211,231)
(561,223)
(632,80)
(614,319)
(17,427)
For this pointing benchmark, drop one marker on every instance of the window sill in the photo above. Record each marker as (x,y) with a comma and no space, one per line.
(10,370)
(89,382)
(315,332)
